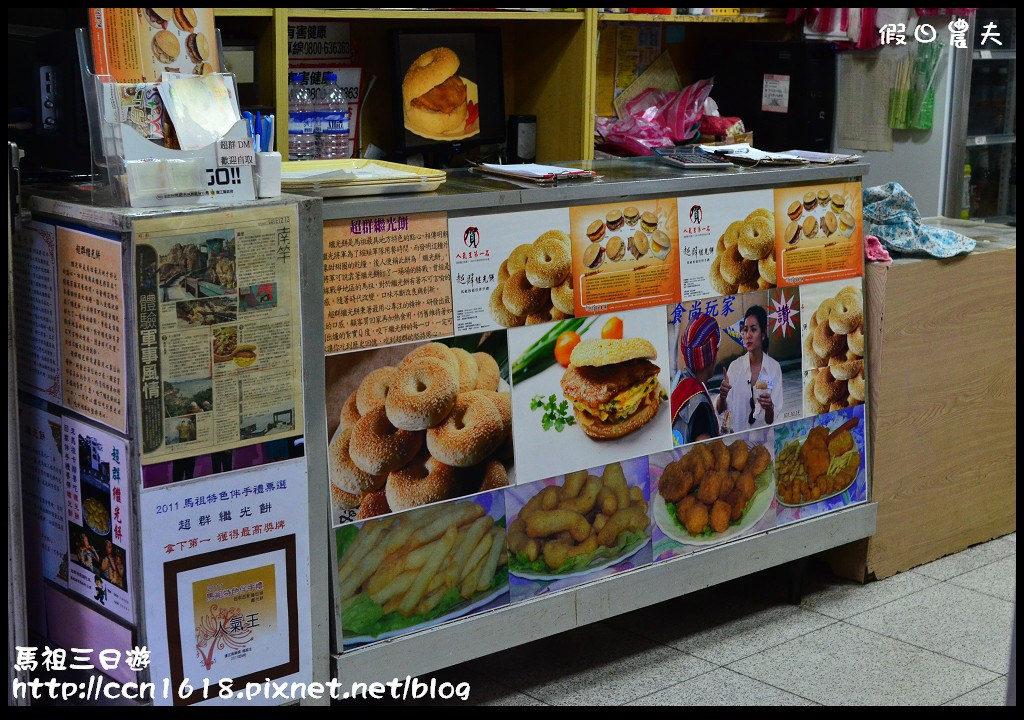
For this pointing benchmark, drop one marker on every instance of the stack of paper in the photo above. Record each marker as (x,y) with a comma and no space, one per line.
(335,178)
(537,173)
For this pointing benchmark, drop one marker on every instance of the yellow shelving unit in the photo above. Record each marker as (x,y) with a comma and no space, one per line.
(549,62)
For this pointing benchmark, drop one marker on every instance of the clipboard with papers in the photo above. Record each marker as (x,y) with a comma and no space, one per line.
(536,173)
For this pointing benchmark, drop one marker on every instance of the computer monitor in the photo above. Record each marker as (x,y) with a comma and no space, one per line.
(448,89)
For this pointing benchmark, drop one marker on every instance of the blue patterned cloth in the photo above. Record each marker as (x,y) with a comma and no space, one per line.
(891,213)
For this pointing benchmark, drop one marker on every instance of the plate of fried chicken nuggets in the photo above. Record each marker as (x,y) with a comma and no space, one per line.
(714,491)
(584,525)
(436,426)
(824,465)
(400,574)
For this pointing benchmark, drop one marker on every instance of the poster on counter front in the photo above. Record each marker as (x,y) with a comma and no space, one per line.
(226,561)
(400,574)
(510,269)
(818,232)
(578,527)
(625,256)
(386,281)
(821,464)
(98,502)
(589,393)
(420,423)
(832,320)
(37,319)
(218,331)
(712,492)
(727,244)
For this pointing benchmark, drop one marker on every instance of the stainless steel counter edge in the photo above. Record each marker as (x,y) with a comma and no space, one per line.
(473,637)
(463,191)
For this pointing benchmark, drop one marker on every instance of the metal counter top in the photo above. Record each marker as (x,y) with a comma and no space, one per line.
(627,177)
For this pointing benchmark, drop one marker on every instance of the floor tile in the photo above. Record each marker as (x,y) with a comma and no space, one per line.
(998,579)
(721,687)
(950,620)
(970,559)
(595,665)
(846,665)
(721,629)
(839,598)
(993,693)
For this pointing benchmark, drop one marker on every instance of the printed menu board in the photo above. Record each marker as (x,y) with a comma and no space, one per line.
(218,331)
(625,255)
(98,503)
(386,281)
(728,243)
(819,232)
(510,269)
(37,320)
(227,567)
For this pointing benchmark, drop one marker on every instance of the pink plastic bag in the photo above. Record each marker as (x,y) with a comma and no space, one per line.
(657,119)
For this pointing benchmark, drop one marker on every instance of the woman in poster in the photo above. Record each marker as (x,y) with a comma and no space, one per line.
(693,413)
(751,388)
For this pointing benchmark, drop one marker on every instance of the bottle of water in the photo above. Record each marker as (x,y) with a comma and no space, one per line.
(333,114)
(301,120)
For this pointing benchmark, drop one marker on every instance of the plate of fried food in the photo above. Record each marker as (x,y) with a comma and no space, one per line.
(586,524)
(714,492)
(398,575)
(824,464)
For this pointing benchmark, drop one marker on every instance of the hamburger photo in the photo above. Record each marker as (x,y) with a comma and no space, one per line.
(661,243)
(638,245)
(185,19)
(158,17)
(166,47)
(792,236)
(613,386)
(810,201)
(795,210)
(614,219)
(649,221)
(631,216)
(595,231)
(197,47)
(829,223)
(616,249)
(435,99)
(593,256)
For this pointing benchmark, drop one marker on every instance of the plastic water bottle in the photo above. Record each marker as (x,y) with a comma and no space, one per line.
(301,120)
(333,114)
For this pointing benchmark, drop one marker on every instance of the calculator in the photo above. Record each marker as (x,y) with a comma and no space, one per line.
(693,158)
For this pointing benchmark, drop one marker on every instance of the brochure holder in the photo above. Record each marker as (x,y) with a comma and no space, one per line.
(130,170)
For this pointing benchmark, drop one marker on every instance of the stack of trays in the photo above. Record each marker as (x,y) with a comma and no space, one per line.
(346,178)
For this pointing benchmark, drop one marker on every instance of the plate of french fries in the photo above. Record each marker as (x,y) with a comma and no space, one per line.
(583,525)
(400,574)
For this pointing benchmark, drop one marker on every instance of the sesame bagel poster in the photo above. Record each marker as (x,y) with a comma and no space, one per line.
(727,244)
(818,230)
(625,255)
(510,269)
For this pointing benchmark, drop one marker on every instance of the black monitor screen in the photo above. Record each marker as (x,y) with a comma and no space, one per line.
(448,88)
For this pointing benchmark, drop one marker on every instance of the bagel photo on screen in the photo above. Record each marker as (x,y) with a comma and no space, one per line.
(420,423)
(450,86)
(832,324)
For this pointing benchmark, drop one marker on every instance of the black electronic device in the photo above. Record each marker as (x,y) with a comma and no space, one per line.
(692,158)
(447,90)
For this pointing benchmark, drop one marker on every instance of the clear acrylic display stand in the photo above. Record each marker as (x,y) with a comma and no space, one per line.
(130,170)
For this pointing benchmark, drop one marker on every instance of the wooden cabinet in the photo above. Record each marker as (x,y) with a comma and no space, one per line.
(549,62)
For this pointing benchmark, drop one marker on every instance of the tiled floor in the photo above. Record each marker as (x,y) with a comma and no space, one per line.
(938,634)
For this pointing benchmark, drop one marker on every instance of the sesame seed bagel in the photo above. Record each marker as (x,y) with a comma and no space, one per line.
(766,268)
(495,476)
(428,71)
(813,359)
(344,473)
(856,387)
(828,344)
(503,271)
(844,368)
(555,235)
(828,389)
(718,283)
(349,412)
(732,265)
(855,341)
(547,263)
(561,296)
(489,375)
(342,500)
(732,233)
(373,390)
(422,394)
(521,297)
(435,350)
(502,402)
(517,260)
(378,447)
(424,480)
(372,505)
(757,238)
(846,316)
(811,404)
(468,371)
(499,312)
(471,432)
(595,353)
